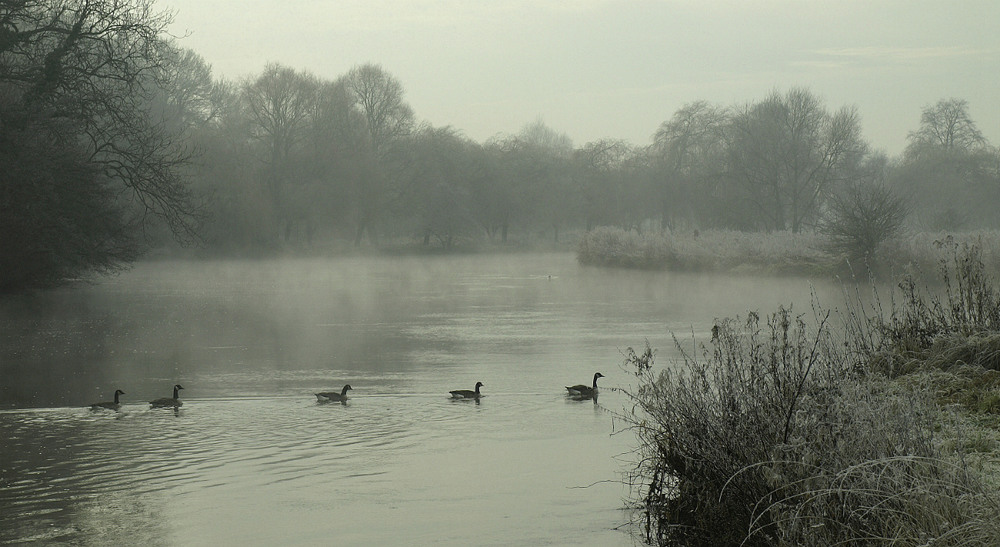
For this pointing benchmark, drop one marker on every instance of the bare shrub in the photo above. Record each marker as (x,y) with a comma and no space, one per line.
(774,437)
(861,219)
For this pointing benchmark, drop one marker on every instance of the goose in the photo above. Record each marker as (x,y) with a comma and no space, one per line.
(109,405)
(583,391)
(467,393)
(333,396)
(167,402)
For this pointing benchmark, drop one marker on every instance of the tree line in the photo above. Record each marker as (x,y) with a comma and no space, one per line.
(114,138)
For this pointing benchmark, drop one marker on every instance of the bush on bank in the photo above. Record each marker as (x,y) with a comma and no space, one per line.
(788,432)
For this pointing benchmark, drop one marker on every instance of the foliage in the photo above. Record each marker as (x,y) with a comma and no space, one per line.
(782,433)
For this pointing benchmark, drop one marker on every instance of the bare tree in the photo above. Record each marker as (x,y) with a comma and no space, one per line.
(77,78)
(388,118)
(786,151)
(865,212)
(945,125)
(379,95)
(688,154)
(950,170)
(280,102)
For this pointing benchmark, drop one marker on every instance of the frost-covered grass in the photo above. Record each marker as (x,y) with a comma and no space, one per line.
(916,254)
(787,430)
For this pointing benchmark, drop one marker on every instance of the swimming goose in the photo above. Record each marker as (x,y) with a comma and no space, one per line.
(109,405)
(333,396)
(583,391)
(467,393)
(167,402)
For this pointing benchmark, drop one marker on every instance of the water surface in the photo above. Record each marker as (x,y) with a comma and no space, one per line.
(251,458)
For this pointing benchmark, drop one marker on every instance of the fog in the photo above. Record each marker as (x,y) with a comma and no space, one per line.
(606,69)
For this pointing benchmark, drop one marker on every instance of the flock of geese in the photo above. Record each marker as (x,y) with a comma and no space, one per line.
(579,391)
(162,402)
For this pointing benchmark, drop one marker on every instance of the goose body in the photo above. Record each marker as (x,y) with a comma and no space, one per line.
(333,396)
(467,393)
(168,402)
(109,405)
(584,391)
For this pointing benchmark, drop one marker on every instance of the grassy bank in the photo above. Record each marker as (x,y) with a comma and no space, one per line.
(873,425)
(770,253)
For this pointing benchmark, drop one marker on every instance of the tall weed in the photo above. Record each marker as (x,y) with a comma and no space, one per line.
(775,435)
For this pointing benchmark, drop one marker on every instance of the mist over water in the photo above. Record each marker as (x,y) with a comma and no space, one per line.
(252,458)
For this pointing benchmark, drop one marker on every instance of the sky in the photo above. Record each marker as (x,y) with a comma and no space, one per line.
(596,69)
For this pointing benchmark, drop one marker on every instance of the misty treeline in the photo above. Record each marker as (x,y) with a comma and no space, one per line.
(114,139)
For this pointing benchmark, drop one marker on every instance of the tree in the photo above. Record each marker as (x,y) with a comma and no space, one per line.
(946,125)
(339,156)
(688,153)
(495,188)
(865,214)
(84,165)
(280,102)
(785,153)
(189,94)
(607,188)
(950,170)
(542,159)
(439,196)
(379,96)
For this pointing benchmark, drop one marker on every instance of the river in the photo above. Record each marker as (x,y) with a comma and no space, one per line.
(252,458)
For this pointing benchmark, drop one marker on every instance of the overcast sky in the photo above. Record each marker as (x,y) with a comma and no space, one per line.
(600,68)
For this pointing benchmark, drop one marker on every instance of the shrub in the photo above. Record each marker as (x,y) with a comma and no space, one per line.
(774,437)
(862,219)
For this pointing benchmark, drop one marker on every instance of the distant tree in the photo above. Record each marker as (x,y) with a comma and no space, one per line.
(609,190)
(439,192)
(339,155)
(950,170)
(538,134)
(279,102)
(948,126)
(388,118)
(83,163)
(495,188)
(542,160)
(688,157)
(189,94)
(865,213)
(786,152)
(225,174)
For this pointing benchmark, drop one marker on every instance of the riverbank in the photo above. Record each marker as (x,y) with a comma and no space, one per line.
(775,253)
(875,424)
